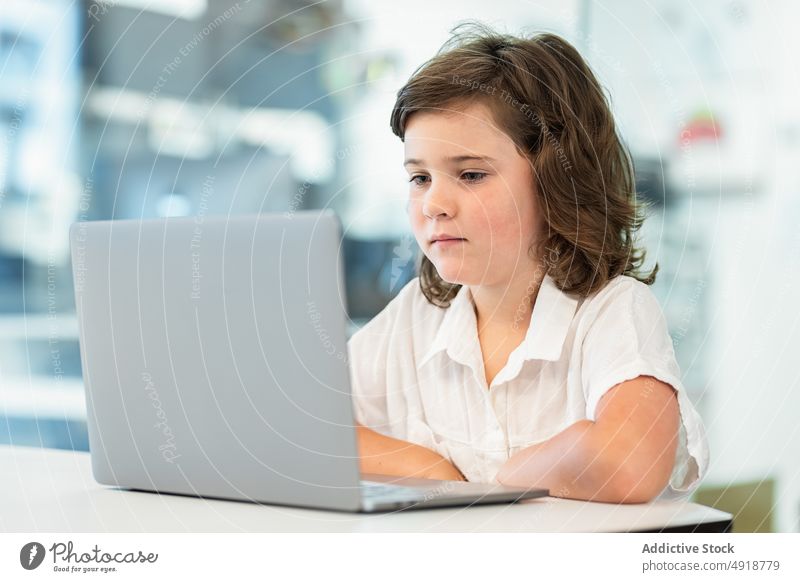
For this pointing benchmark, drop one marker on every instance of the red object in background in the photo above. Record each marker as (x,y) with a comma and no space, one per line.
(702,127)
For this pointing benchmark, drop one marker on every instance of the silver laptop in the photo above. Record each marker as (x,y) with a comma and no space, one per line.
(215,364)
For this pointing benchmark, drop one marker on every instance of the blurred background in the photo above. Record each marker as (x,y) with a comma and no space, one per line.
(146,108)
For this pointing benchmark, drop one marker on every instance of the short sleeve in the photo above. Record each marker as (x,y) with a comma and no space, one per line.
(627,338)
(377,354)
(368,377)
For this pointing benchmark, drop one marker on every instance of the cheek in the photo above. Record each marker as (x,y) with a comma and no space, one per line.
(414,210)
(417,220)
(510,226)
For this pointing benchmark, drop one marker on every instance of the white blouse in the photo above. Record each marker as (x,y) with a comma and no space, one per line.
(417,374)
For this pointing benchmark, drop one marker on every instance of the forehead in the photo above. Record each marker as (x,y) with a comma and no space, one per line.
(470,128)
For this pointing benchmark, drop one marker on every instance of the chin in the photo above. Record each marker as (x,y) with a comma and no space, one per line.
(455,274)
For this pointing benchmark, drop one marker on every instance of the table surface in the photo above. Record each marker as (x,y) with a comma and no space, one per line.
(53,491)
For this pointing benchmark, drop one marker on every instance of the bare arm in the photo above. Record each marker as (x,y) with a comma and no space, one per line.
(625,456)
(389,456)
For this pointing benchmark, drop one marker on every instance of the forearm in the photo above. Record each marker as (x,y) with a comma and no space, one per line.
(578,463)
(390,456)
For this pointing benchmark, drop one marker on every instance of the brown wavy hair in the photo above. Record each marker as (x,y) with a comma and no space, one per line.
(562,122)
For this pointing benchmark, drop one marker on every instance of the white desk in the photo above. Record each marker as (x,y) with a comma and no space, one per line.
(53,491)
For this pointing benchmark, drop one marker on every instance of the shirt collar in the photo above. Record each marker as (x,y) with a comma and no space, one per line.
(550,321)
(458,331)
(552,315)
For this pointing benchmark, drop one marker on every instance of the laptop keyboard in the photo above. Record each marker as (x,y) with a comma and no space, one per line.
(374,489)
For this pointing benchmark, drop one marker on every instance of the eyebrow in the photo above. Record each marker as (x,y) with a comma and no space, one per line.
(452,160)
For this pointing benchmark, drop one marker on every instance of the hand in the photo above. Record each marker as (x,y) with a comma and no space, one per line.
(441,469)
(389,456)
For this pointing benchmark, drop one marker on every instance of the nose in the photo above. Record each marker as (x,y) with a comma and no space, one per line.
(439,201)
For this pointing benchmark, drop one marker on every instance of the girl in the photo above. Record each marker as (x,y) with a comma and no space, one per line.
(530,350)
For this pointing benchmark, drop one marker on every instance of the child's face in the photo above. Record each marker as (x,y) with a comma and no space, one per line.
(489,205)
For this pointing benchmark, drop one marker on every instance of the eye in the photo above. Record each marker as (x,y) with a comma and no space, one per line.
(473,177)
(414,179)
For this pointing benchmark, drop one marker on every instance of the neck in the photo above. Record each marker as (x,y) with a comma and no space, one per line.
(507,304)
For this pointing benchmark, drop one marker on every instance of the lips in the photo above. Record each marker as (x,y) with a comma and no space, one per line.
(446,241)
(445,238)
